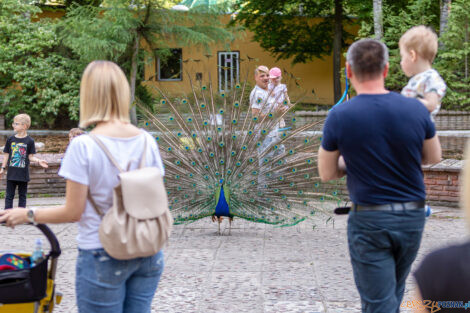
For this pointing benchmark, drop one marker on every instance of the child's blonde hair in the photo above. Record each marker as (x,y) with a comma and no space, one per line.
(74,132)
(261,69)
(465,183)
(23,118)
(104,94)
(421,39)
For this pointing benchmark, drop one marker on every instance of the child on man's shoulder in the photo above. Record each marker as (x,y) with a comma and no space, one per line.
(418,48)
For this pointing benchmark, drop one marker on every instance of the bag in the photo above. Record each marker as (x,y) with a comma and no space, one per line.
(139,222)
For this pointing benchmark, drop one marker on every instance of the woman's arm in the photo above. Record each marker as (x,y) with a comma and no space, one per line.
(75,201)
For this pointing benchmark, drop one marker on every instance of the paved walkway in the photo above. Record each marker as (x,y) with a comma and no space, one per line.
(258,268)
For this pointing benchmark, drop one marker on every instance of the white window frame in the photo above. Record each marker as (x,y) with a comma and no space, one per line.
(171,79)
(224,84)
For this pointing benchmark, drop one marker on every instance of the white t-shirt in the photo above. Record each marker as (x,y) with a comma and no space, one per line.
(85,163)
(278,93)
(425,82)
(260,99)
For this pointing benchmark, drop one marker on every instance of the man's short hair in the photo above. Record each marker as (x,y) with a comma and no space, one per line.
(261,68)
(367,58)
(24,119)
(421,39)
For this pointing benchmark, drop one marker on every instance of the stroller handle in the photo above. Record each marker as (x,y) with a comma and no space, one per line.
(55,247)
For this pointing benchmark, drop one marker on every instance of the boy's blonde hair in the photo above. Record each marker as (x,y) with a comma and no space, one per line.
(421,39)
(465,183)
(23,118)
(104,94)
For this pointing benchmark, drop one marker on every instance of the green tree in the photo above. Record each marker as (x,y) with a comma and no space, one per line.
(119,30)
(34,77)
(453,58)
(300,29)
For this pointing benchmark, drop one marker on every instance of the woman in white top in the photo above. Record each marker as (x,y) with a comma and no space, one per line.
(103,284)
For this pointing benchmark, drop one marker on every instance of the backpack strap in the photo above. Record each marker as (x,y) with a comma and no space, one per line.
(106,151)
(93,204)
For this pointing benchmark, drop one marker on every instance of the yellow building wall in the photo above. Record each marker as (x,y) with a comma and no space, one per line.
(314,79)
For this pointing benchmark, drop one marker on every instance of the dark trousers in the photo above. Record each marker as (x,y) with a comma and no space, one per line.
(382,247)
(22,189)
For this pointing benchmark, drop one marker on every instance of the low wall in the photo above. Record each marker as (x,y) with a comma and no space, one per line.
(441,180)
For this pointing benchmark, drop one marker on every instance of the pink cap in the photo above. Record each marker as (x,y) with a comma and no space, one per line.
(275,72)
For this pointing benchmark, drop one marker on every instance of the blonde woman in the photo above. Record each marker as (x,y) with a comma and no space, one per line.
(444,275)
(103,284)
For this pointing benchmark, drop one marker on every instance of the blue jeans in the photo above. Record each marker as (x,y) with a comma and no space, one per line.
(106,285)
(382,246)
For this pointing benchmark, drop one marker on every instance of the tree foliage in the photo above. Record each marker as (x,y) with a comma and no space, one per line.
(34,77)
(399,16)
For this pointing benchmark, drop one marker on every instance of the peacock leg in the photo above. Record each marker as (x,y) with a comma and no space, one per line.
(230,219)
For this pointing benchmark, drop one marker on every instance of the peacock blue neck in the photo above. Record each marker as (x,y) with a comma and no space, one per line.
(222,197)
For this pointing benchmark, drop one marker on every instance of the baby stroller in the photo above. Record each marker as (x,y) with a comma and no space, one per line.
(31,289)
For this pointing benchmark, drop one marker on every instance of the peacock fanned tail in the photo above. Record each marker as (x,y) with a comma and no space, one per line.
(210,145)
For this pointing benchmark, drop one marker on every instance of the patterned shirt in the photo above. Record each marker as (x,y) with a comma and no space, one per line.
(423,83)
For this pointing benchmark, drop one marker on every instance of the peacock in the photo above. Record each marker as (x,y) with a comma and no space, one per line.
(210,145)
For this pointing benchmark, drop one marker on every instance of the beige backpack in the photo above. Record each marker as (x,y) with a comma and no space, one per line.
(139,222)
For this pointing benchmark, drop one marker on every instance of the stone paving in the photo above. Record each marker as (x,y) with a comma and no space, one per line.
(257,268)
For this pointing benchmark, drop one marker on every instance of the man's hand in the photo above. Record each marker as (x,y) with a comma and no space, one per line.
(1,173)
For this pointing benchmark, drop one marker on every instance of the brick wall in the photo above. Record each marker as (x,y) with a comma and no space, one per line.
(442,183)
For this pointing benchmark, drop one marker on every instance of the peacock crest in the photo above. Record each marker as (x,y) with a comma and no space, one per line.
(219,160)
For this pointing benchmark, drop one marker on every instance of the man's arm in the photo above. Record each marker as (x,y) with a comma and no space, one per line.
(432,152)
(331,165)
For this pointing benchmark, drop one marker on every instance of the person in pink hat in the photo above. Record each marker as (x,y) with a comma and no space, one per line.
(278,91)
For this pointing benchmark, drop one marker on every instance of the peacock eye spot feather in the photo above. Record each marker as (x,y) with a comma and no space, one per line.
(233,153)
(306,141)
(281,178)
(209,138)
(203,105)
(238,164)
(258,144)
(270,115)
(221,111)
(199,150)
(146,123)
(190,119)
(306,176)
(266,160)
(222,94)
(236,104)
(171,118)
(157,138)
(284,135)
(217,173)
(244,147)
(294,170)
(234,121)
(294,120)
(222,162)
(259,100)
(291,152)
(221,144)
(264,131)
(251,160)
(205,123)
(219,129)
(184,101)
(211,154)
(276,147)
(186,147)
(194,135)
(237,86)
(285,102)
(204,87)
(163,102)
(169,149)
(250,132)
(255,119)
(179,134)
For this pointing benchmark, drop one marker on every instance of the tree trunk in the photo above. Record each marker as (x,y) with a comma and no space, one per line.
(337,43)
(135,58)
(378,20)
(445,8)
